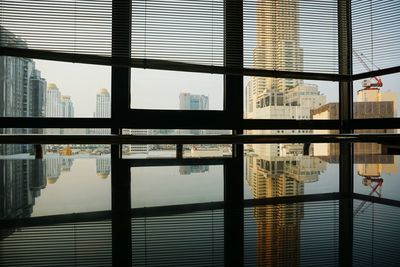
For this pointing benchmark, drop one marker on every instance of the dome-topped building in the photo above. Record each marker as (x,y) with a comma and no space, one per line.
(103,91)
(52,86)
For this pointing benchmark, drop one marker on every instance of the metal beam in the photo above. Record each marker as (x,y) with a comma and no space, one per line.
(345,116)
(198,139)
(128,62)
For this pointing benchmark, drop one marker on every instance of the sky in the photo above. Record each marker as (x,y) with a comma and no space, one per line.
(80,81)
(155,88)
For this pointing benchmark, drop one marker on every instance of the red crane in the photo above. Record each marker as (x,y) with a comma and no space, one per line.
(368,181)
(373,83)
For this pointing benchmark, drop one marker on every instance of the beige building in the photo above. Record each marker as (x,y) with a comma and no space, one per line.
(276,170)
(278,48)
(278,226)
(295,103)
(370,104)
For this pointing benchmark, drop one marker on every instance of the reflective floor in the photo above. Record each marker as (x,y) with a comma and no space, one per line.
(295,234)
(58,211)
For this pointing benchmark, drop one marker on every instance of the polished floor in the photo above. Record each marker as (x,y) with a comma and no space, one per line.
(292,234)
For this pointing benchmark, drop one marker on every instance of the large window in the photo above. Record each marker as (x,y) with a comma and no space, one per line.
(256,120)
(182,80)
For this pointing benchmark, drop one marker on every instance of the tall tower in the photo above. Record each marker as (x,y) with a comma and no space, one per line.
(278,48)
(188,101)
(103,108)
(21,90)
(277,43)
(67,106)
(103,167)
(277,168)
(103,104)
(53,105)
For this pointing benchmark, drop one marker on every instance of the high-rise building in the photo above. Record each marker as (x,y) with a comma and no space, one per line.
(67,106)
(188,101)
(20,183)
(103,104)
(277,44)
(103,109)
(278,48)
(58,105)
(103,167)
(53,101)
(277,169)
(21,92)
(189,169)
(38,97)
(278,228)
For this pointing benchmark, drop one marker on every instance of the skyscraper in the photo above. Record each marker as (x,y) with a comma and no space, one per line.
(20,183)
(278,169)
(278,48)
(67,106)
(57,105)
(103,108)
(103,104)
(103,167)
(53,101)
(277,43)
(21,91)
(188,101)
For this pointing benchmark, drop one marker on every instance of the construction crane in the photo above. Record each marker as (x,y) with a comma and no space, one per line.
(374,83)
(376,189)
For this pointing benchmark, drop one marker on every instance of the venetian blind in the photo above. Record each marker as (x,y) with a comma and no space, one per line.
(291,35)
(66,26)
(376,34)
(183,31)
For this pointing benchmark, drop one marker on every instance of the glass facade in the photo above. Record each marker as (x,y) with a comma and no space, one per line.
(210,133)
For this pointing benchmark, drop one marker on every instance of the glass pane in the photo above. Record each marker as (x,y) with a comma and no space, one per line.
(75,27)
(42,88)
(275,170)
(156,89)
(377,97)
(297,234)
(207,150)
(172,185)
(375,38)
(290,35)
(56,184)
(179,31)
(58,244)
(273,98)
(375,172)
(375,234)
(188,239)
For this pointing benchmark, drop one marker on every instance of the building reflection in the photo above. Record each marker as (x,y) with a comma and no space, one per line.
(278,227)
(270,175)
(187,170)
(21,181)
(103,167)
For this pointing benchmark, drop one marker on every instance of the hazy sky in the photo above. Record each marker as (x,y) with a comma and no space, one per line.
(154,88)
(80,81)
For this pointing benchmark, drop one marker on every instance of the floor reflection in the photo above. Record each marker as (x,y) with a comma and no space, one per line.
(22,180)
